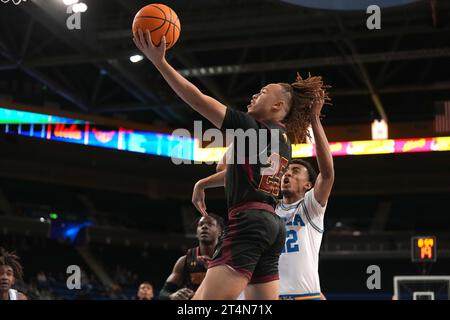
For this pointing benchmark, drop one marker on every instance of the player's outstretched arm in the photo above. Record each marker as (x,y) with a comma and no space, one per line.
(207,106)
(325,179)
(198,194)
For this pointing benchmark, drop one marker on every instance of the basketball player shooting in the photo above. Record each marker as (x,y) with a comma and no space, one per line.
(305,196)
(10,270)
(255,236)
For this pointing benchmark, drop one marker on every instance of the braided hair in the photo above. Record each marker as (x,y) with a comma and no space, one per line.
(301,94)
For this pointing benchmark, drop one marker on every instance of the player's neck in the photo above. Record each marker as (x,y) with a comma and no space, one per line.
(288,199)
(207,249)
(270,119)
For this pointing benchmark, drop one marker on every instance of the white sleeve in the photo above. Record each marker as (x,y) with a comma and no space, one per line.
(314,211)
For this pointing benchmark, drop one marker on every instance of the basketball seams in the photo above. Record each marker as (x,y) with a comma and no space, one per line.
(173,34)
(170,22)
(176,26)
(170,17)
(157,28)
(159,18)
(179,31)
(157,7)
(165,20)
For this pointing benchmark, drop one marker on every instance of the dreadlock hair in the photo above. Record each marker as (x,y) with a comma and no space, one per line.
(12,260)
(302,94)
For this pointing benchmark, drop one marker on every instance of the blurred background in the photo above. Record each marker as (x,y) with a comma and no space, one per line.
(85,173)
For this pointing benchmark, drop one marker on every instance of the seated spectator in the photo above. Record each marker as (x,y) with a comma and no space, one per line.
(145,291)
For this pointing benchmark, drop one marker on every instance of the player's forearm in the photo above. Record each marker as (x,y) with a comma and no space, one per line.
(222,164)
(323,152)
(167,290)
(182,87)
(190,94)
(221,167)
(213,181)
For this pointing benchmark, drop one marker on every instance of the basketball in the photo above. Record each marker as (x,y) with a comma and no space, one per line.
(161,21)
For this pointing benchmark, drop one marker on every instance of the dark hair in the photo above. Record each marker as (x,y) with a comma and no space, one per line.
(146,282)
(12,260)
(312,174)
(302,93)
(219,220)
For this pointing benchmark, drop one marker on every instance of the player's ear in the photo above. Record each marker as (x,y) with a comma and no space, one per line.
(308,185)
(279,105)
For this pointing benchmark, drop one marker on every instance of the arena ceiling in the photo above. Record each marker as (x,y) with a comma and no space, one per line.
(230,48)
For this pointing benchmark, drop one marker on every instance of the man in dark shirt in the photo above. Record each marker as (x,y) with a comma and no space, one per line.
(190,269)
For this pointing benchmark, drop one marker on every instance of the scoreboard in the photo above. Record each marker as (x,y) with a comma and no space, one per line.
(77,131)
(423,249)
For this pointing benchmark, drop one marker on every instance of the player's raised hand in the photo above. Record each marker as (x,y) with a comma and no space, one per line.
(198,198)
(318,103)
(143,40)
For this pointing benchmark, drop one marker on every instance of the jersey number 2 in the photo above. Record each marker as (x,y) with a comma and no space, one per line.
(291,242)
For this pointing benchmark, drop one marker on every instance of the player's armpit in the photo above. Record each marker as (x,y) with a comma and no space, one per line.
(322,189)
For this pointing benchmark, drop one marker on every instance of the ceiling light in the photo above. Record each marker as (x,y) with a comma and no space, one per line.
(136,58)
(79,7)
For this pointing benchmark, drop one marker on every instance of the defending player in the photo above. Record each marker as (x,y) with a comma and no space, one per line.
(305,197)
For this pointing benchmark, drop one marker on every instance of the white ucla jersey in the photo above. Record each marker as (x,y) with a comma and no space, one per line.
(299,261)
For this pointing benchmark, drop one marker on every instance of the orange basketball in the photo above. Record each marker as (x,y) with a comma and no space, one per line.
(161,21)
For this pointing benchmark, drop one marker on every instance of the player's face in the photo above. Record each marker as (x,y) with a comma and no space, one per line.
(207,230)
(295,180)
(145,292)
(261,102)
(6,278)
